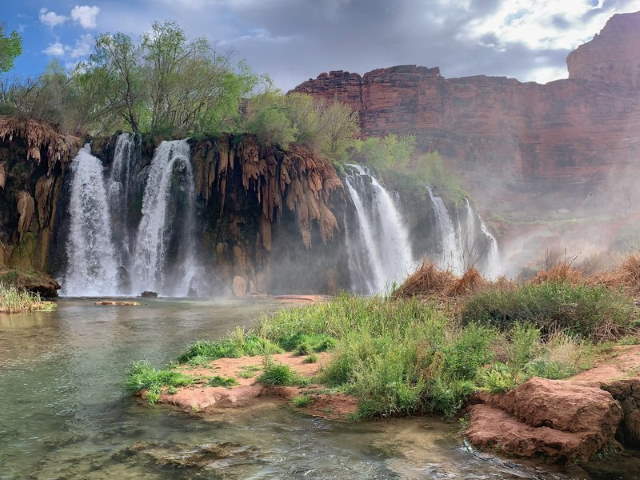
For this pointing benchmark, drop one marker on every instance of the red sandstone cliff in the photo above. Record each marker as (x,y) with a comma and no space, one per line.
(526,137)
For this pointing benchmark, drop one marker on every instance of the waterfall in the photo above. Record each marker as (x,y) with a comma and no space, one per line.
(118,189)
(92,268)
(491,266)
(380,254)
(163,257)
(452,253)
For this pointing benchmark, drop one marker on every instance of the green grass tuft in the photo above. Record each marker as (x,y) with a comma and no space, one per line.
(239,344)
(277,374)
(302,401)
(142,376)
(219,381)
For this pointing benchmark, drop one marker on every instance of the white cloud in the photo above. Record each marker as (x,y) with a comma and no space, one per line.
(50,18)
(55,49)
(85,15)
(82,46)
(541,24)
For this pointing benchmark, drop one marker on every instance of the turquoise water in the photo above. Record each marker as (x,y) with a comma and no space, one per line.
(65,415)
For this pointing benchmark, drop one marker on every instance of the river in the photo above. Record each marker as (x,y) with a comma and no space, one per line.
(64,413)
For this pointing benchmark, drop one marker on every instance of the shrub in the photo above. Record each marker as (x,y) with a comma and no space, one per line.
(590,311)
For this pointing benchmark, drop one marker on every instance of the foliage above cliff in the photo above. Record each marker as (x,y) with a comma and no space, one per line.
(329,128)
(163,84)
(397,159)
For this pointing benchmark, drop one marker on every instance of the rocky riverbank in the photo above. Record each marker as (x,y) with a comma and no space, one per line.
(564,420)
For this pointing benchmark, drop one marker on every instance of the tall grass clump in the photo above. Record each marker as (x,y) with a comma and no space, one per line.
(592,312)
(238,344)
(14,299)
(142,376)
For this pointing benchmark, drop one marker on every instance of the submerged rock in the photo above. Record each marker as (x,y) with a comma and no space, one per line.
(118,303)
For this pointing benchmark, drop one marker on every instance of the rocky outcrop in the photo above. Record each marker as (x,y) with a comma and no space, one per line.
(612,56)
(551,418)
(568,419)
(36,282)
(34,159)
(269,217)
(524,140)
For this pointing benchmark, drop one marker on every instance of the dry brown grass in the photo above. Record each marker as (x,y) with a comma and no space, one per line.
(625,276)
(470,282)
(427,280)
(562,271)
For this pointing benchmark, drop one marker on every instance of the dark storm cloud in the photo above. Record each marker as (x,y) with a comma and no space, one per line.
(293,40)
(362,35)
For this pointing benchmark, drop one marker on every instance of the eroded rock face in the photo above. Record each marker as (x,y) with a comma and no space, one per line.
(554,418)
(565,136)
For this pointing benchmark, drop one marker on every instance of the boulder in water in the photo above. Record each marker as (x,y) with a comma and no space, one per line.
(149,294)
(118,303)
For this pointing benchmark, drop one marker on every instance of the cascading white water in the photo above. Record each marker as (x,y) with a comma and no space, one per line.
(452,256)
(170,170)
(492,266)
(383,238)
(118,188)
(92,268)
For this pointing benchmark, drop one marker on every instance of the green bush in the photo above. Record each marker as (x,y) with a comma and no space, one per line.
(592,312)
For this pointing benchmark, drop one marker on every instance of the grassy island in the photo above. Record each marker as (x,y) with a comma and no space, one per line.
(429,350)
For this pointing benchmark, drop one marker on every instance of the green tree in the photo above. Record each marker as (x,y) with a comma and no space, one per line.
(10,48)
(389,152)
(164,85)
(340,127)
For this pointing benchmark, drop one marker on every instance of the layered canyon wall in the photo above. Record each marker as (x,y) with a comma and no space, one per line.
(519,146)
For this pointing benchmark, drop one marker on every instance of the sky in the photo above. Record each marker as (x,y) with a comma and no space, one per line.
(293,40)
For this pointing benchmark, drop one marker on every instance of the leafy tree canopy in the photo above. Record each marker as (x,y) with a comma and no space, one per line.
(10,48)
